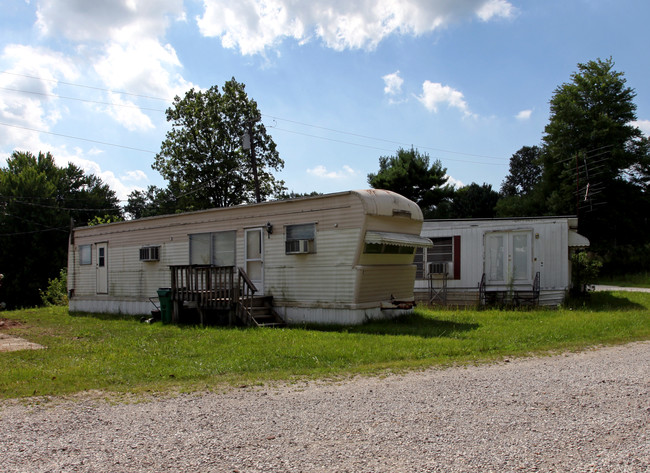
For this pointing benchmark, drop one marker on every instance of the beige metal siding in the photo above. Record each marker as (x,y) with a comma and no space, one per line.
(328,276)
(384,283)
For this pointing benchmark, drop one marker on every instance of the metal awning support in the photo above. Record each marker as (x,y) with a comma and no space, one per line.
(399,239)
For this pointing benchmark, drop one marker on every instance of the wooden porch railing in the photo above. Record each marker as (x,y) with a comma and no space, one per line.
(212,287)
(246,292)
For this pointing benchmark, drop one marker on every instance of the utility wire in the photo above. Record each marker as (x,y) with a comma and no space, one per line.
(332,130)
(59,229)
(85,86)
(71,209)
(112,104)
(79,138)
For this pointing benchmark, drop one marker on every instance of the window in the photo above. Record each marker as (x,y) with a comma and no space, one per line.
(300,239)
(443,256)
(223,248)
(85,254)
(213,248)
(150,253)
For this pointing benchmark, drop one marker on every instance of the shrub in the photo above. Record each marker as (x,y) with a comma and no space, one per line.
(57,290)
(585,268)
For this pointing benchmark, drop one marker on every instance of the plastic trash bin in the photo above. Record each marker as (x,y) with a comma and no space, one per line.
(165,298)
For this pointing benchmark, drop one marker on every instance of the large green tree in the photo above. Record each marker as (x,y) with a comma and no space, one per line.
(524,173)
(594,157)
(410,174)
(203,157)
(38,199)
(474,201)
(520,190)
(150,202)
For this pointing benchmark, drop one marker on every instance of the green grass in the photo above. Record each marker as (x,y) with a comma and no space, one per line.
(120,354)
(627,280)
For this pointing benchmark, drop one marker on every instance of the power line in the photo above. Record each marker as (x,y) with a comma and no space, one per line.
(374,138)
(332,130)
(98,102)
(72,84)
(79,138)
(59,229)
(71,209)
(375,147)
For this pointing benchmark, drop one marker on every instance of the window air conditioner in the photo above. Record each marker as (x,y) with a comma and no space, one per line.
(297,247)
(150,253)
(437,268)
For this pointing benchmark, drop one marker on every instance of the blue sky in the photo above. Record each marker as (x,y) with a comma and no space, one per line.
(339,83)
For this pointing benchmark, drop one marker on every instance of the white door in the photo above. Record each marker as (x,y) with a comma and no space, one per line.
(102,268)
(254,254)
(508,257)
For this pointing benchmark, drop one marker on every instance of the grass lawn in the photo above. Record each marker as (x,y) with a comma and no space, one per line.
(120,354)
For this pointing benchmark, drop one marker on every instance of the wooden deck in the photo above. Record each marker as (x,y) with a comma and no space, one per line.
(223,288)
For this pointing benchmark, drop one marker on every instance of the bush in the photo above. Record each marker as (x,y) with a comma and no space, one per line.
(57,290)
(585,268)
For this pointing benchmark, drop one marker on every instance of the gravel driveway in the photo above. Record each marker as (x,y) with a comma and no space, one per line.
(578,412)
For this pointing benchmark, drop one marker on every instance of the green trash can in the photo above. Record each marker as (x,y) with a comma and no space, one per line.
(165,298)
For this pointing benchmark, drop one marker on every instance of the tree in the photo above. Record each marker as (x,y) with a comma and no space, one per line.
(153,201)
(594,158)
(474,201)
(525,172)
(408,173)
(520,194)
(203,157)
(38,200)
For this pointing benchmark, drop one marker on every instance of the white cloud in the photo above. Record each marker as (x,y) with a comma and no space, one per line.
(144,66)
(31,70)
(524,115)
(128,114)
(122,39)
(83,21)
(322,172)
(495,9)
(456,183)
(255,25)
(136,175)
(643,125)
(435,94)
(393,83)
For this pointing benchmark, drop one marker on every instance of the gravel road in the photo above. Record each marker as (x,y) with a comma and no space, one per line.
(578,412)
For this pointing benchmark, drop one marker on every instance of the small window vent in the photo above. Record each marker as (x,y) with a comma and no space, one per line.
(150,253)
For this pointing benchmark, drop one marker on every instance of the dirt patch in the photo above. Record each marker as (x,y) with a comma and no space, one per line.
(11,343)
(9,323)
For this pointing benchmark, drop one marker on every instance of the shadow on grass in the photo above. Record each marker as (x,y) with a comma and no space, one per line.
(414,325)
(107,317)
(603,302)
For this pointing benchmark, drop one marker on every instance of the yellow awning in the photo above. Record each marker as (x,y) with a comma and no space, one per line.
(399,239)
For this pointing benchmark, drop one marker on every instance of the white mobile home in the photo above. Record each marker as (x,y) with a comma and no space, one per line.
(337,258)
(502,257)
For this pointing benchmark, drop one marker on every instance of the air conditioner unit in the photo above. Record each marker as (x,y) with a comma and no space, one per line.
(150,253)
(437,268)
(297,247)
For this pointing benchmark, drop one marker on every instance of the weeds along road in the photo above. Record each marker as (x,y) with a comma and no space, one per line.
(578,412)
